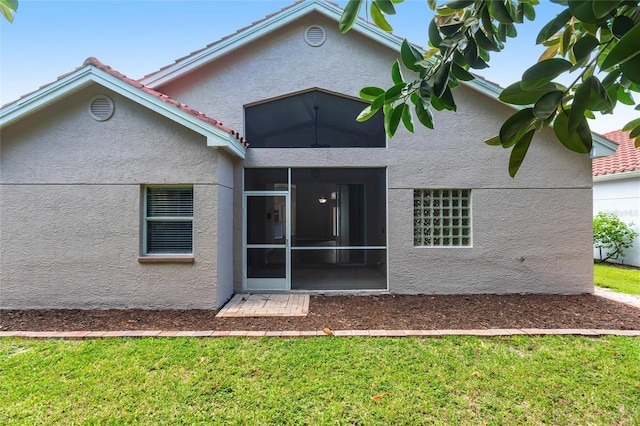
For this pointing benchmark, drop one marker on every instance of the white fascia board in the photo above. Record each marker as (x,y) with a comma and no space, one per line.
(45,96)
(261,29)
(617,176)
(230,144)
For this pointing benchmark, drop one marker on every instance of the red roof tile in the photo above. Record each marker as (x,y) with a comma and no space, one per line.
(626,158)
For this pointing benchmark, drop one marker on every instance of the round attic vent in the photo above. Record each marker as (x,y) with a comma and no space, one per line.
(315,35)
(101,108)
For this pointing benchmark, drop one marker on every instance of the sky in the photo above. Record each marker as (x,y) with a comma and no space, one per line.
(49,38)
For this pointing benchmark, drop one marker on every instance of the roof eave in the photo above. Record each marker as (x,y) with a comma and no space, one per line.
(75,81)
(617,176)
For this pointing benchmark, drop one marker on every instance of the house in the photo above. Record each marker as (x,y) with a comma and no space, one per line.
(616,189)
(116,194)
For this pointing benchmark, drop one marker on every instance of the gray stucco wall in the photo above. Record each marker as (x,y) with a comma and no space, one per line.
(531,234)
(70,208)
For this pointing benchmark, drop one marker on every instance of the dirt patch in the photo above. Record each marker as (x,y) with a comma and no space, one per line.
(387,312)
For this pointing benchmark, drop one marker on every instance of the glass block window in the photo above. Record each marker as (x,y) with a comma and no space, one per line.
(168,220)
(442,217)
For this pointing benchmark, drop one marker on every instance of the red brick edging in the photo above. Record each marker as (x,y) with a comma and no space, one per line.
(77,335)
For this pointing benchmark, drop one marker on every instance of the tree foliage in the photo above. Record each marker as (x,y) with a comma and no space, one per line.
(612,234)
(8,9)
(598,41)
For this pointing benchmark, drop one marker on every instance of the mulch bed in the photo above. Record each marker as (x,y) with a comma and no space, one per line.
(387,312)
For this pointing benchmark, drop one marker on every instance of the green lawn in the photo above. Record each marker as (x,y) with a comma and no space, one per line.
(616,278)
(365,381)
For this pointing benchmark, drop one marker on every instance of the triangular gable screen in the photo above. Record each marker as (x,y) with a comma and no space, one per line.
(312,120)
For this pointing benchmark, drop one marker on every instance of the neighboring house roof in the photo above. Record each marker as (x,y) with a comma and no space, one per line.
(94,71)
(274,21)
(626,158)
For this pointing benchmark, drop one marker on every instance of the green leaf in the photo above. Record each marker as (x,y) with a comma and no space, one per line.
(598,98)
(441,79)
(471,56)
(543,72)
(425,91)
(392,120)
(547,105)
(379,19)
(516,95)
(460,73)
(502,33)
(370,93)
(553,26)
(631,69)
(621,25)
(385,6)
(485,42)
(519,151)
(579,105)
(611,77)
(407,118)
(446,100)
(349,15)
(601,8)
(485,18)
(499,10)
(451,28)
(410,56)
(511,31)
(626,48)
(529,11)
(624,96)
(515,126)
(8,9)
(366,114)
(458,4)
(396,75)
(578,140)
(378,102)
(494,141)
(434,34)
(635,133)
(582,48)
(394,92)
(424,115)
(631,125)
(583,11)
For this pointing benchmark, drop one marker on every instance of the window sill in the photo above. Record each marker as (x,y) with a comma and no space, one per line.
(166,259)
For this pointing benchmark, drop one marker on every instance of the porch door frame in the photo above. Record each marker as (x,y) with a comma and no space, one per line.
(267,284)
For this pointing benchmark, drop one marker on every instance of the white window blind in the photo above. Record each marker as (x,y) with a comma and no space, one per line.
(168,220)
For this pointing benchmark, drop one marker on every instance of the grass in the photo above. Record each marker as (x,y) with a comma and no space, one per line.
(371,381)
(624,280)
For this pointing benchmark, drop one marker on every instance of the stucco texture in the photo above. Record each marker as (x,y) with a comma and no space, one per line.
(532,234)
(71,202)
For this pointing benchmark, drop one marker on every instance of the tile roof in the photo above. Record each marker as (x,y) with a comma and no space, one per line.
(626,158)
(161,96)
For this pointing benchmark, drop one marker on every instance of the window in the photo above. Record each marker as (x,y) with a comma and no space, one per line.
(313,119)
(168,220)
(442,217)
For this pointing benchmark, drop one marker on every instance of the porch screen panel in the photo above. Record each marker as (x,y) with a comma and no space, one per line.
(169,220)
(313,119)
